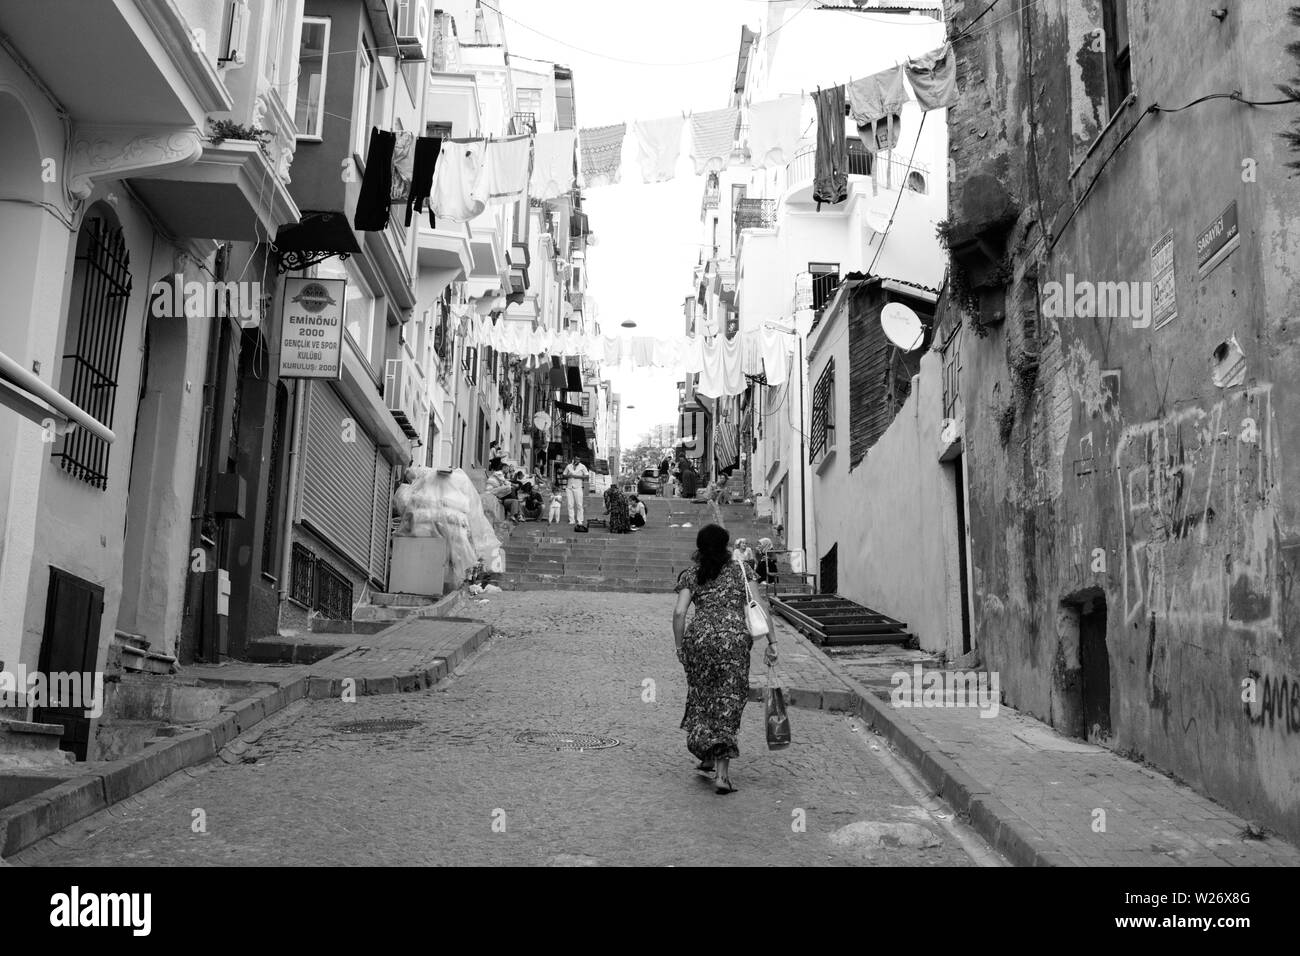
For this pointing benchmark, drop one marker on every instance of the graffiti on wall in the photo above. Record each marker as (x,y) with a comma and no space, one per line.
(1272,702)
(1199,497)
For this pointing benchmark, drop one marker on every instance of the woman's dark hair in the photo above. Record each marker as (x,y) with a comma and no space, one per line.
(711,553)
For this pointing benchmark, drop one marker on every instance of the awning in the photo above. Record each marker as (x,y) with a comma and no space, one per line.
(569,407)
(35,400)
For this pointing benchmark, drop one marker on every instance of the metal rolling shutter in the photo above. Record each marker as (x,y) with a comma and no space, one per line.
(338,486)
(380,523)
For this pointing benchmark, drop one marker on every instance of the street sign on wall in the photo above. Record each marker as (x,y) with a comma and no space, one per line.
(1217,241)
(311,331)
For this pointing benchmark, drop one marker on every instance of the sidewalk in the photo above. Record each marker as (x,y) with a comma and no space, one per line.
(1036,796)
(411,655)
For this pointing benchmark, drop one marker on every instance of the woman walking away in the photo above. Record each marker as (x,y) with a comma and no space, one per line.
(714,649)
(616,505)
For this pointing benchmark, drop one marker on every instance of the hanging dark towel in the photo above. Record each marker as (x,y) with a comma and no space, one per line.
(558,380)
(377,183)
(427,149)
(830,165)
(575,379)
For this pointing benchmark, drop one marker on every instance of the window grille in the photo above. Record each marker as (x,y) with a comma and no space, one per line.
(100,292)
(821,436)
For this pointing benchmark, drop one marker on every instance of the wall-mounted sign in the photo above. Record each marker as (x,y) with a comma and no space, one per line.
(1216,241)
(1164,307)
(311,331)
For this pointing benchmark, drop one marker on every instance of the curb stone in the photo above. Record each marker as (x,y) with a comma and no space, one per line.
(44,814)
(989,817)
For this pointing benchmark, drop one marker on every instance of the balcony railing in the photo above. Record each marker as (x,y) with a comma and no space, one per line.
(753,214)
(525,123)
(893,173)
(824,286)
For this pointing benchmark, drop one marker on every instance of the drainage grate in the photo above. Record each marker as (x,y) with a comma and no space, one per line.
(563,741)
(376,726)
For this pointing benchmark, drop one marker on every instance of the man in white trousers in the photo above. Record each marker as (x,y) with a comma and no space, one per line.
(575,478)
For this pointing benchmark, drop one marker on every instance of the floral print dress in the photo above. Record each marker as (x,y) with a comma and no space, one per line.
(616,506)
(715,651)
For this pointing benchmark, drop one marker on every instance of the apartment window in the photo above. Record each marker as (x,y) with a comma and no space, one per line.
(309,110)
(365,98)
(821,436)
(101,286)
(916,182)
(1119,78)
(275,43)
(951,373)
(529,100)
(469,362)
(440,130)
(358,305)
(586,405)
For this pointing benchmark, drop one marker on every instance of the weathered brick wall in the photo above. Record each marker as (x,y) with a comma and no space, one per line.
(1125,480)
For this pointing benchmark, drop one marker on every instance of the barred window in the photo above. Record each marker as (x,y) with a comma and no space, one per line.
(822,434)
(101,288)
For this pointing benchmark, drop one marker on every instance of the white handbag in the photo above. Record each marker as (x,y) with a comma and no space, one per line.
(754,615)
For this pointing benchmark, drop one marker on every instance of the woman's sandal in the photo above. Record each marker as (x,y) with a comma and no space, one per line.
(724,788)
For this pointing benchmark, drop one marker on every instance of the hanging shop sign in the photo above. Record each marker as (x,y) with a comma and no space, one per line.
(311,332)
(1164,306)
(1216,241)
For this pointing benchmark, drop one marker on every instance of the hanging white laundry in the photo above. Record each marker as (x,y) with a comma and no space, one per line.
(460,185)
(659,144)
(612,349)
(723,373)
(776,350)
(751,352)
(693,355)
(553,155)
(774,131)
(507,168)
(643,351)
(667,352)
(712,136)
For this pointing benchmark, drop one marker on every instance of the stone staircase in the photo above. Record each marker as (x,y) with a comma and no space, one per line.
(541,556)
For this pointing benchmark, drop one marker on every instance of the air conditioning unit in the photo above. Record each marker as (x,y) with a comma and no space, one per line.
(404,395)
(236,45)
(413,29)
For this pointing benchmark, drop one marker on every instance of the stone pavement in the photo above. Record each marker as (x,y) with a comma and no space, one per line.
(1040,794)
(416,652)
(459,788)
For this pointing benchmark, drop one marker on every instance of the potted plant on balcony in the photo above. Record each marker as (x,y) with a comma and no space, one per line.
(225,129)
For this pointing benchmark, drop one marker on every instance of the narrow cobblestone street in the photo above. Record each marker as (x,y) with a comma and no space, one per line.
(305,793)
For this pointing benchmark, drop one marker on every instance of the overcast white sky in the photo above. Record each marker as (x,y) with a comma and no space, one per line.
(647,235)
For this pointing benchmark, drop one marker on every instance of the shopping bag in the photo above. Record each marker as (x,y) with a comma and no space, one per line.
(775,716)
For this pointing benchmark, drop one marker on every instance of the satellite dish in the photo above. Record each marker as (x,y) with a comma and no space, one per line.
(542,421)
(879,213)
(902,326)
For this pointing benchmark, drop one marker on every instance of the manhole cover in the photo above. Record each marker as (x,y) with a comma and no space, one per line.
(563,741)
(375,726)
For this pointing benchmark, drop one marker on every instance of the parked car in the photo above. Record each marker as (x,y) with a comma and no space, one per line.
(649,482)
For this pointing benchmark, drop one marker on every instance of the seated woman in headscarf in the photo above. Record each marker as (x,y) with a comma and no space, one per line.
(616,505)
